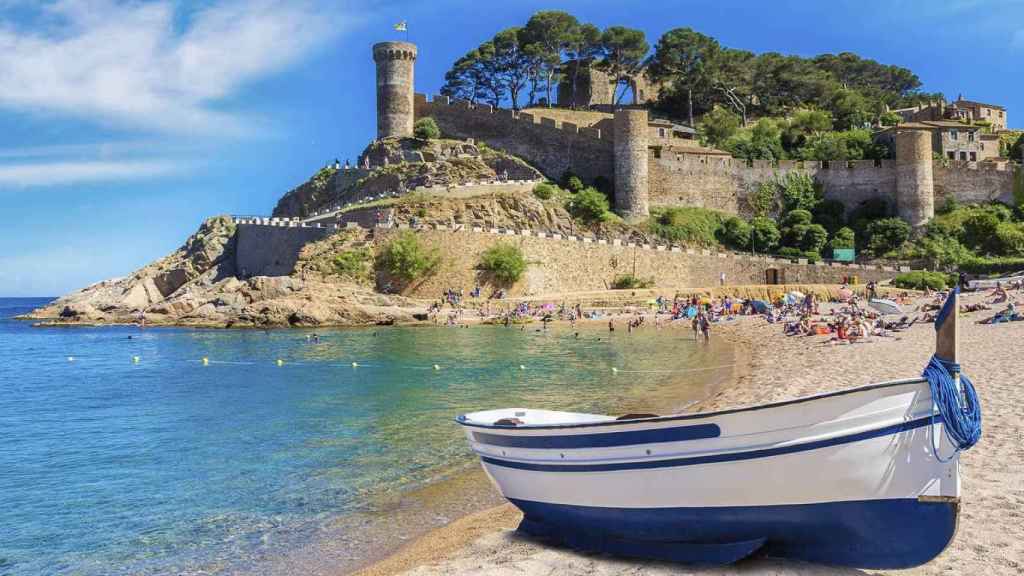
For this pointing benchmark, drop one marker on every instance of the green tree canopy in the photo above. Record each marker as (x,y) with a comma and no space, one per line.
(623,50)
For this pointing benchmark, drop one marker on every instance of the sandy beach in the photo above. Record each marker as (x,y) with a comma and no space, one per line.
(990,538)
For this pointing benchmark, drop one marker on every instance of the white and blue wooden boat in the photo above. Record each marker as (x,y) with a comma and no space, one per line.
(866,477)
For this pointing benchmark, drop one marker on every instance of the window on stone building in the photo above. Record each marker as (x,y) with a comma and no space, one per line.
(974,156)
(954,135)
(970,136)
(661,132)
(952,155)
(963,155)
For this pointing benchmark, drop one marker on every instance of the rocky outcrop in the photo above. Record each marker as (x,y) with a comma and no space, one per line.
(401,165)
(197,286)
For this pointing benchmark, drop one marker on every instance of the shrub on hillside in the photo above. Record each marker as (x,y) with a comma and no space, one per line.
(830,214)
(979,232)
(689,225)
(735,233)
(765,200)
(799,192)
(887,234)
(544,191)
(589,205)
(844,238)
(920,280)
(407,258)
(353,263)
(764,235)
(574,184)
(796,217)
(1009,239)
(987,266)
(505,261)
(812,256)
(426,129)
(630,282)
(814,239)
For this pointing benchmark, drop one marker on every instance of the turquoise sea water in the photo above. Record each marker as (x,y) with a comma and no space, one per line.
(167,466)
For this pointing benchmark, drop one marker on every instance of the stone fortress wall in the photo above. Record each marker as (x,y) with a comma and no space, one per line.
(557,263)
(681,178)
(551,146)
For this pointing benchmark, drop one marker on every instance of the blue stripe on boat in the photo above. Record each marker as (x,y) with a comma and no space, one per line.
(713,458)
(883,534)
(602,440)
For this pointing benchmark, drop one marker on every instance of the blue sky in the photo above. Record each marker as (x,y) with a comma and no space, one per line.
(124,124)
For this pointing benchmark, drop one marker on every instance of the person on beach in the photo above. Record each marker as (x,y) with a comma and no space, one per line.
(611,325)
(705,328)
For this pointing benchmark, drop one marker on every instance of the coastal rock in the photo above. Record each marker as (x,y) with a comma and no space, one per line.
(209,250)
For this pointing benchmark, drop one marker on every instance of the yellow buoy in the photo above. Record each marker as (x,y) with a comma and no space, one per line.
(436,367)
(614,369)
(206,361)
(280,362)
(135,359)
(355,364)
(71,358)
(521,367)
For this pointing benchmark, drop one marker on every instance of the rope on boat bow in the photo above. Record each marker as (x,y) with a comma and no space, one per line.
(957,403)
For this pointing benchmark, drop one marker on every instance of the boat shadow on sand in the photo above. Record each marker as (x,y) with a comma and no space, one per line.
(569,560)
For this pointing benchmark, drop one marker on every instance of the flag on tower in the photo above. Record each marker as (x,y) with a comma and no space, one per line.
(402,27)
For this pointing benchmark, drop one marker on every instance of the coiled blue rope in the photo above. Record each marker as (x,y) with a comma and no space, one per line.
(960,412)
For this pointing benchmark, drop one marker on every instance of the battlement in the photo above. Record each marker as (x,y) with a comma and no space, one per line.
(977,166)
(394,51)
(427,105)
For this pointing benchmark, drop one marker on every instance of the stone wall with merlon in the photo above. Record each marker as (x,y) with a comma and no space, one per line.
(560,266)
(973,185)
(549,147)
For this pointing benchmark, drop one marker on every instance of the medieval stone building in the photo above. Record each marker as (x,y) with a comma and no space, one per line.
(654,164)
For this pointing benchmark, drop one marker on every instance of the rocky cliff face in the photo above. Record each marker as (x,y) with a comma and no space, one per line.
(196,285)
(400,165)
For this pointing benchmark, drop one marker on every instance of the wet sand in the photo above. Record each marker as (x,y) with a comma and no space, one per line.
(990,538)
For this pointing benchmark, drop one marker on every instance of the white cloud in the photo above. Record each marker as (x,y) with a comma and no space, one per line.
(65,173)
(146,66)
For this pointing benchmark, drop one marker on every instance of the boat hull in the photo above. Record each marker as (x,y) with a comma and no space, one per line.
(848,479)
(883,534)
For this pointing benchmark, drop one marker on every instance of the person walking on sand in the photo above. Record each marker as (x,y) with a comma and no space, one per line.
(695,324)
(611,325)
(705,328)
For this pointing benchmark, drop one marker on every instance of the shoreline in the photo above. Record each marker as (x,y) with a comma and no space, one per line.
(442,542)
(769,367)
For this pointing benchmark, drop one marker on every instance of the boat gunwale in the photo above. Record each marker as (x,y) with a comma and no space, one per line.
(461,418)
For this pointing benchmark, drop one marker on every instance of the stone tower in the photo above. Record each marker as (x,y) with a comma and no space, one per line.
(915,186)
(631,164)
(395,63)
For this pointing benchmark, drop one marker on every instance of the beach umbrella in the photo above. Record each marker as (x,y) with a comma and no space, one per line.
(883,306)
(760,306)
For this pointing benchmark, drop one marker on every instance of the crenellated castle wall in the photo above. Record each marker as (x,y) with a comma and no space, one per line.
(677,178)
(552,147)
